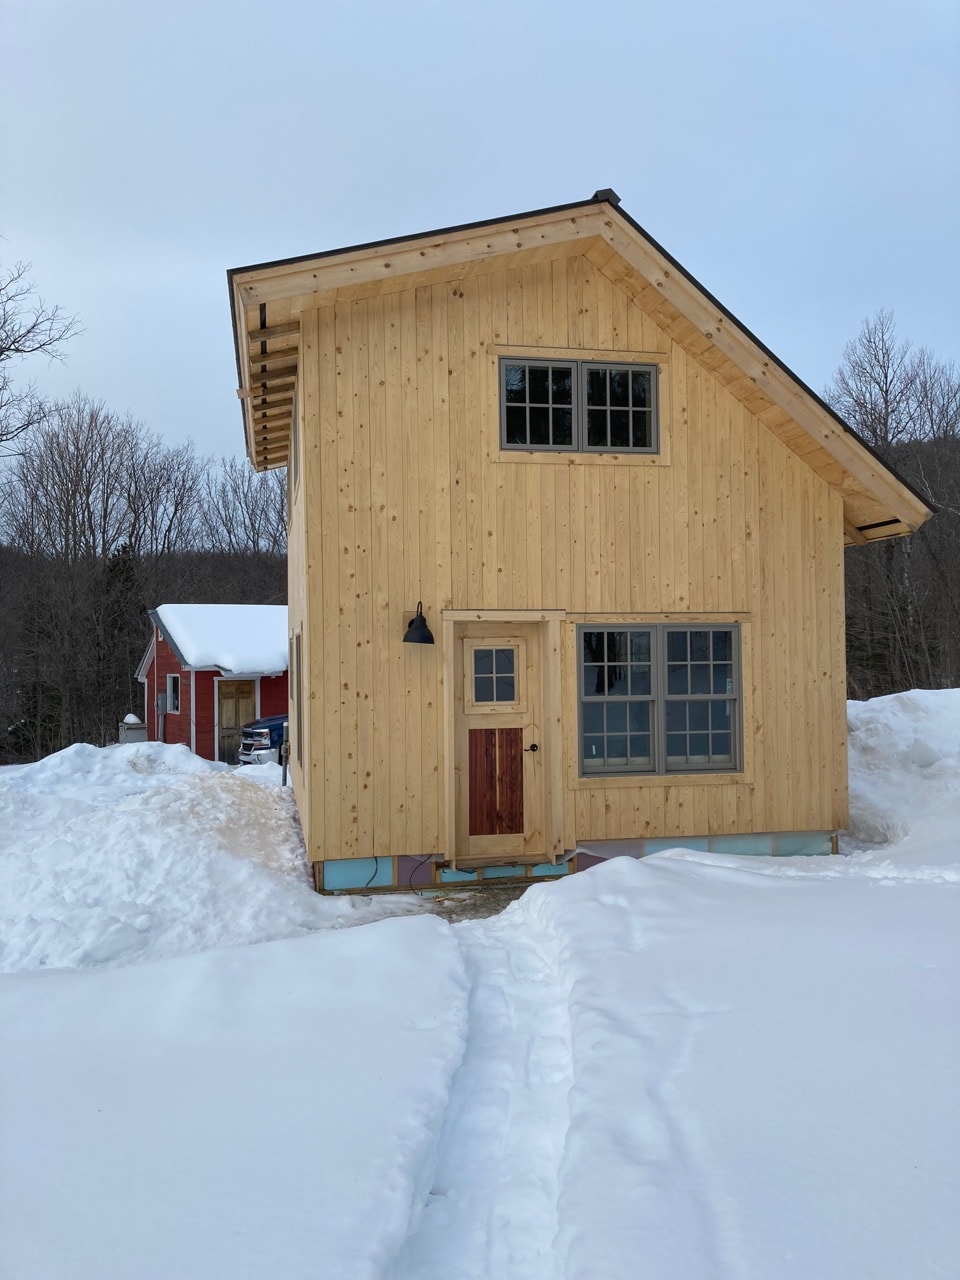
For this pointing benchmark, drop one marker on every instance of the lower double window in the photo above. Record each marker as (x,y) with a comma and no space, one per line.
(659,699)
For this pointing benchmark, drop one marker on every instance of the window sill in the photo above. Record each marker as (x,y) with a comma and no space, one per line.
(600,782)
(577,458)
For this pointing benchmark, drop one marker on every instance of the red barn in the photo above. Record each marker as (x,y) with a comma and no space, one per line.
(209,669)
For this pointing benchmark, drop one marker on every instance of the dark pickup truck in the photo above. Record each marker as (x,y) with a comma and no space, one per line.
(262,741)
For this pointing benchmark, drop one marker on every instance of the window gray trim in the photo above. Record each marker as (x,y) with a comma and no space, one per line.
(551,405)
(609,366)
(658,699)
(579,374)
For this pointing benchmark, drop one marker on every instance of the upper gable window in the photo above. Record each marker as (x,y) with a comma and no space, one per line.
(586,406)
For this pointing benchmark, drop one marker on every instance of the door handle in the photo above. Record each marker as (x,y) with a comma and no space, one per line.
(532,747)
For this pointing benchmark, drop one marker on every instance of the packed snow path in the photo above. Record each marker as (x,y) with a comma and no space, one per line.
(654,1049)
(493,1201)
(567,1085)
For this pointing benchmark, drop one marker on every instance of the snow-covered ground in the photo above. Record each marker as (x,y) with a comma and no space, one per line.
(678,1068)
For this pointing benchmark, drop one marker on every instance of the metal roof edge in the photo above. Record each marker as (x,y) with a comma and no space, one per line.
(369,245)
(144,664)
(163,631)
(601,196)
(784,368)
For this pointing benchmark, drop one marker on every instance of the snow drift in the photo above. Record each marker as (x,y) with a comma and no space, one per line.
(690,1067)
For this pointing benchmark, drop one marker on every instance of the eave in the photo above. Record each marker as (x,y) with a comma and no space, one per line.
(266,300)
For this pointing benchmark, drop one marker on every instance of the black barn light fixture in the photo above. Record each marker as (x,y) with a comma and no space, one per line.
(417,630)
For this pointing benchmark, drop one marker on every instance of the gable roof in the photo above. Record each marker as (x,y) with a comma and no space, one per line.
(239,639)
(266,299)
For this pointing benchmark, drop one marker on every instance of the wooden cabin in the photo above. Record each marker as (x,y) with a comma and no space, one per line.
(209,669)
(625,520)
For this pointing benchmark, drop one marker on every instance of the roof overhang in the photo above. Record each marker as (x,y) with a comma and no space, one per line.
(266,301)
(161,630)
(145,661)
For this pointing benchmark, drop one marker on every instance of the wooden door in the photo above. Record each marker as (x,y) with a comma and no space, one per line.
(499,788)
(236,706)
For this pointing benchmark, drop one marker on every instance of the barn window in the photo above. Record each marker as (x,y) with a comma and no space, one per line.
(659,699)
(583,406)
(173,695)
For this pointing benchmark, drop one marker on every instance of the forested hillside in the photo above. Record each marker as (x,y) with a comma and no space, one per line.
(903,596)
(99,522)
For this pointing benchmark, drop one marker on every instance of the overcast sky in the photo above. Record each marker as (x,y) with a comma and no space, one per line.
(801,160)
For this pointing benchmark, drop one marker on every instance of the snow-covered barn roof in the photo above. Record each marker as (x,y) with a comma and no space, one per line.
(240,638)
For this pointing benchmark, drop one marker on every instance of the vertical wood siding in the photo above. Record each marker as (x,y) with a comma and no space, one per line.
(409,499)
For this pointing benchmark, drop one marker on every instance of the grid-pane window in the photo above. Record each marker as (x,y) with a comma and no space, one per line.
(538,402)
(618,407)
(495,675)
(578,405)
(699,704)
(659,699)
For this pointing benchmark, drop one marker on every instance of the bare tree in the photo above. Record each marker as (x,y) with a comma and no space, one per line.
(91,502)
(903,615)
(99,521)
(872,388)
(245,511)
(28,327)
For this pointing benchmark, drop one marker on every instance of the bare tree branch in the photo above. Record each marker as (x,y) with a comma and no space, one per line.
(28,327)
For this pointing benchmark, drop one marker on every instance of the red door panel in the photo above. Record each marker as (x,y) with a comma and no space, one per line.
(496,782)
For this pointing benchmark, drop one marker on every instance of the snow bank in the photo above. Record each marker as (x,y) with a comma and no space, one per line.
(116,854)
(746,1053)
(905,784)
(241,638)
(687,1066)
(904,761)
(249,1113)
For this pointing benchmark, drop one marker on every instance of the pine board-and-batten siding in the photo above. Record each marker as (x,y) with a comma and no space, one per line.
(410,499)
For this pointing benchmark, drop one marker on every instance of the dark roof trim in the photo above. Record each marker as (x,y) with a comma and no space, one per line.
(382,244)
(879,524)
(419,235)
(603,196)
(154,616)
(144,665)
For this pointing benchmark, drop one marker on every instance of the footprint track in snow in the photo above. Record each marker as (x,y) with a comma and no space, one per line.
(504,1131)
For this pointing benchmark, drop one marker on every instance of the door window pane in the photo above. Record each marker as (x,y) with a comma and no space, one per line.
(483,689)
(495,675)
